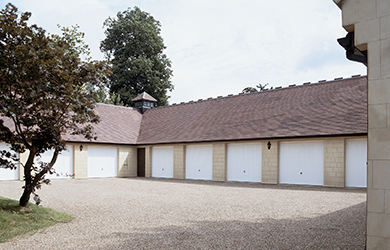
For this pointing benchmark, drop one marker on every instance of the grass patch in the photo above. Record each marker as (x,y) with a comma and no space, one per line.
(16,220)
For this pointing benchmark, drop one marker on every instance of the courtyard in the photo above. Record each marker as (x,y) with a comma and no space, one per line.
(148,213)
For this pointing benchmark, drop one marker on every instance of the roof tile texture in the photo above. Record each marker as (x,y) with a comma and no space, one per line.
(329,108)
(324,109)
(118,125)
(144,96)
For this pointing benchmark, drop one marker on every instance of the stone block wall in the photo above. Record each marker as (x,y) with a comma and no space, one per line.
(370,20)
(219,162)
(80,161)
(179,161)
(334,162)
(127,161)
(148,161)
(270,163)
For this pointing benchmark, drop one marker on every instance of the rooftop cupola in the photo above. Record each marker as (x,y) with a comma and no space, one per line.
(143,102)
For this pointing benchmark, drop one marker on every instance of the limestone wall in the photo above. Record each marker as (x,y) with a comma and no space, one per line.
(270,164)
(80,161)
(148,161)
(127,161)
(219,162)
(370,21)
(334,162)
(179,161)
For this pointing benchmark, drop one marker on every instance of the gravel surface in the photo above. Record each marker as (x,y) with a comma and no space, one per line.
(146,213)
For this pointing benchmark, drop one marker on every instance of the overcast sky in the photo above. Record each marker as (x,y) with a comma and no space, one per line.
(219,47)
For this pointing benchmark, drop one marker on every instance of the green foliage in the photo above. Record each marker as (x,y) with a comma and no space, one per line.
(258,88)
(15,220)
(42,94)
(249,90)
(99,92)
(78,48)
(74,39)
(135,48)
(102,95)
(114,99)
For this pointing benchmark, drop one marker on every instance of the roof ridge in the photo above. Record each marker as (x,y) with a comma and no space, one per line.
(144,96)
(265,90)
(113,105)
(299,111)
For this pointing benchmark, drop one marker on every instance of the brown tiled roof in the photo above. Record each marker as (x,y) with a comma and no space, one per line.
(323,109)
(118,125)
(144,96)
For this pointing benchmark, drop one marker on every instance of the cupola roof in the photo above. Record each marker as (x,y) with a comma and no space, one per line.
(144,96)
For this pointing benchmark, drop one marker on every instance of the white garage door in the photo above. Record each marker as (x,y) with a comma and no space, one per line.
(199,162)
(301,163)
(63,166)
(244,162)
(162,162)
(8,174)
(102,161)
(355,163)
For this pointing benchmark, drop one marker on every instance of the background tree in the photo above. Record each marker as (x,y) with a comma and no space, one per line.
(78,48)
(249,90)
(135,48)
(258,88)
(75,41)
(42,95)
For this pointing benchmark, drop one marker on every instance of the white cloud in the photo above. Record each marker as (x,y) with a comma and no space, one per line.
(219,47)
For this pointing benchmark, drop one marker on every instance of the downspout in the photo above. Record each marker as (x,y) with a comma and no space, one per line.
(352,53)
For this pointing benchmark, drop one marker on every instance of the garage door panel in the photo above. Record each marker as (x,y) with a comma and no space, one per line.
(63,166)
(102,161)
(162,162)
(301,163)
(8,174)
(244,162)
(199,162)
(356,163)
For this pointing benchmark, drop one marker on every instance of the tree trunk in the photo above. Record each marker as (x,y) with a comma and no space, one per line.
(23,201)
(28,187)
(30,182)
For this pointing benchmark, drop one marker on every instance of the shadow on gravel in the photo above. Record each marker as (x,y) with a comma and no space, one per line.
(343,229)
(254,185)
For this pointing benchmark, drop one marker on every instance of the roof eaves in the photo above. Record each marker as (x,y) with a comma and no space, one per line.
(256,139)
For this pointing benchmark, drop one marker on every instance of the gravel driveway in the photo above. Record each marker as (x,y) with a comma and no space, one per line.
(145,213)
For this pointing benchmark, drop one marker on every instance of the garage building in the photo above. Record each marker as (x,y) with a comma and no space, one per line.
(311,134)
